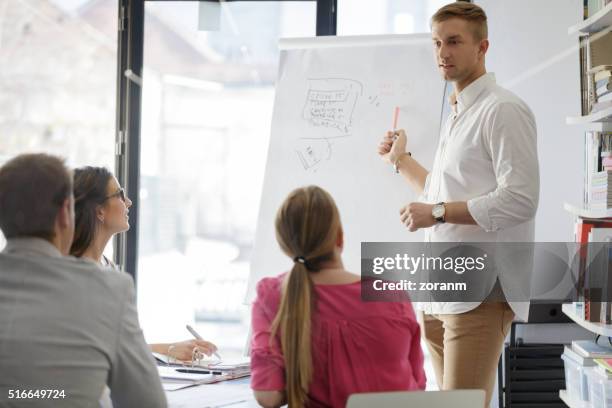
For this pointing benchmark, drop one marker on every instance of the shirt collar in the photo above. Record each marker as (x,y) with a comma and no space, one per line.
(32,245)
(470,93)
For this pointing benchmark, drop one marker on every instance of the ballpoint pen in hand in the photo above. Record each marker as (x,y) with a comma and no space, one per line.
(197,336)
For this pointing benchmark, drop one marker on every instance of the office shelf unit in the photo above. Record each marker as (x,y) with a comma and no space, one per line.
(596,122)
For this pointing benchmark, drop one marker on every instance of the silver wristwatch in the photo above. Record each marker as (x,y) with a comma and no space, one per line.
(439,212)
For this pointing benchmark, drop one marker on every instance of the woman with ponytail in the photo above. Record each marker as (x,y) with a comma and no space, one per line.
(315,342)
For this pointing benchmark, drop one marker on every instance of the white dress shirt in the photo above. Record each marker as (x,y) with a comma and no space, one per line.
(68,325)
(487,156)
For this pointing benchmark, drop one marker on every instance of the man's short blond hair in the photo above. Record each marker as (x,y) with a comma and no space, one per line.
(469,12)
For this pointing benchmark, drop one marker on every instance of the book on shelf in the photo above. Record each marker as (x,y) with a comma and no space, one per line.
(592,160)
(601,206)
(593,6)
(605,98)
(588,348)
(602,176)
(607,83)
(606,295)
(605,144)
(605,364)
(599,50)
(602,75)
(601,191)
(599,68)
(598,157)
(603,89)
(583,236)
(604,268)
(606,159)
(580,359)
(599,106)
(596,282)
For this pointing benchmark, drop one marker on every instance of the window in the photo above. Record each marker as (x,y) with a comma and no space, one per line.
(360,17)
(206,115)
(57,80)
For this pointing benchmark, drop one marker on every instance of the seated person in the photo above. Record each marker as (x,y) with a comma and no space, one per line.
(101,211)
(315,342)
(66,328)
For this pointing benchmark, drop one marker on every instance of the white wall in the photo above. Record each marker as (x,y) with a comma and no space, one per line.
(532,55)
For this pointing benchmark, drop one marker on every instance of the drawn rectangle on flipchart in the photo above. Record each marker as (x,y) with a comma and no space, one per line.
(335,99)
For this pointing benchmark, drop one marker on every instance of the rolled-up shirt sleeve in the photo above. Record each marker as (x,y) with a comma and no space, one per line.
(423,196)
(512,144)
(267,363)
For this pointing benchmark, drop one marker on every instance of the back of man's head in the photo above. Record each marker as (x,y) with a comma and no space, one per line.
(33,190)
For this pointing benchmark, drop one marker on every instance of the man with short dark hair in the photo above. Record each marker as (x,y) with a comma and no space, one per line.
(67,327)
(483,187)
(36,195)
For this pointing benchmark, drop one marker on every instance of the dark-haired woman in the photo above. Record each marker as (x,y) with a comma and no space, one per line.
(101,211)
(315,342)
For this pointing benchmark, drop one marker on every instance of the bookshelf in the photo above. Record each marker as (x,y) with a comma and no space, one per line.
(599,21)
(598,328)
(597,122)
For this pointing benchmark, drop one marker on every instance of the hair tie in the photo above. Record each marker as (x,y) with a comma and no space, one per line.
(300,259)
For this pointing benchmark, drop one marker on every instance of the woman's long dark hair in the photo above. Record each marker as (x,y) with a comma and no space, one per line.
(90,184)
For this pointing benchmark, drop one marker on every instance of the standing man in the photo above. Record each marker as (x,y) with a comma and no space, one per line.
(483,187)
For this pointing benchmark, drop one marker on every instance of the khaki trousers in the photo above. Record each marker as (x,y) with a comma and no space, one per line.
(465,347)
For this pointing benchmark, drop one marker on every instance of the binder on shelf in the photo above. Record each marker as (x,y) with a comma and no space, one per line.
(605,98)
(604,83)
(593,6)
(599,49)
(595,279)
(606,304)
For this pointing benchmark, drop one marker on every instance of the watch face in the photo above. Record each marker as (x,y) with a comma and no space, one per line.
(438,211)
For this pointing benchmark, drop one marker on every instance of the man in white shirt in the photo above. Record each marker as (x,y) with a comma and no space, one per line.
(68,328)
(483,187)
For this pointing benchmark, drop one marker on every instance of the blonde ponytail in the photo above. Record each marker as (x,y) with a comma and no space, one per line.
(307,226)
(294,321)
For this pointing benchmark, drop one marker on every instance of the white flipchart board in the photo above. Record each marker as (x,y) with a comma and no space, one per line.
(335,98)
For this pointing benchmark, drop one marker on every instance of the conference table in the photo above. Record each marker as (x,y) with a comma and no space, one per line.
(232,394)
